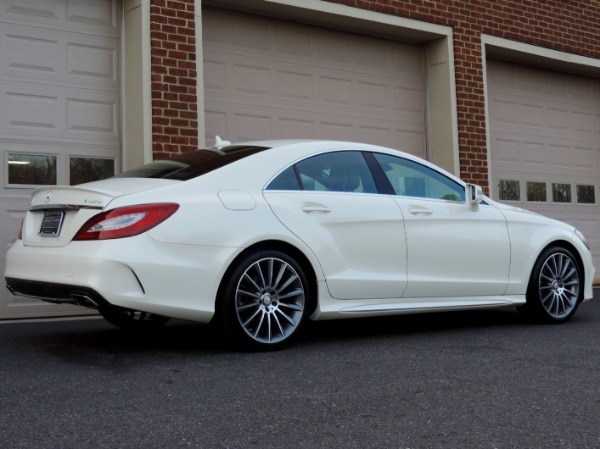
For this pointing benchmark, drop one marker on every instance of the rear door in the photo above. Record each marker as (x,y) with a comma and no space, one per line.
(330,202)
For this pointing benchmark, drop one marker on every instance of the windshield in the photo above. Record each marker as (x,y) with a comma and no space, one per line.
(184,166)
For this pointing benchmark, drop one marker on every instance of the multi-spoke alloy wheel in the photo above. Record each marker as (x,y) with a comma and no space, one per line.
(555,287)
(559,285)
(265,299)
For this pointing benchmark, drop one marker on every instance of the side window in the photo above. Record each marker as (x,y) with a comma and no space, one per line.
(286,180)
(342,171)
(410,178)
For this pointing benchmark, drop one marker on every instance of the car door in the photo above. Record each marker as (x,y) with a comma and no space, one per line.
(330,202)
(453,250)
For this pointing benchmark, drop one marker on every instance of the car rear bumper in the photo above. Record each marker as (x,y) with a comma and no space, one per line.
(179,281)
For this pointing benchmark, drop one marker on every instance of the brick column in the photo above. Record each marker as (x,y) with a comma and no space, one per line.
(174,100)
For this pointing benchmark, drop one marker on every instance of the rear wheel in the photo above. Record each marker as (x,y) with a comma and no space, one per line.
(555,287)
(263,300)
(132,319)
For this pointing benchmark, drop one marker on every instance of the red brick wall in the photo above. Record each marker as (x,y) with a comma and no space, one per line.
(174,100)
(564,25)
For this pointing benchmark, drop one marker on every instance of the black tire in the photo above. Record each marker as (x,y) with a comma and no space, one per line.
(132,319)
(555,287)
(263,300)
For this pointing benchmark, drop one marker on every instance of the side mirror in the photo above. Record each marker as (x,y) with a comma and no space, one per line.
(474,195)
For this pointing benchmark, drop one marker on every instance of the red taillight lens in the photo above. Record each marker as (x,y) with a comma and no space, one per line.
(125,221)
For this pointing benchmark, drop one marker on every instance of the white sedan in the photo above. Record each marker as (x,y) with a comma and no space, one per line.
(258,237)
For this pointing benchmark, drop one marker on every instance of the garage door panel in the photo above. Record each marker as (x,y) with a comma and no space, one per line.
(312,82)
(38,54)
(252,126)
(294,86)
(335,91)
(102,13)
(332,130)
(27,111)
(586,158)
(96,17)
(30,56)
(409,101)
(560,157)
(411,141)
(293,127)
(93,62)
(583,122)
(30,111)
(93,117)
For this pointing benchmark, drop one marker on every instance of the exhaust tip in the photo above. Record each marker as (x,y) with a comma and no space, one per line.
(84,300)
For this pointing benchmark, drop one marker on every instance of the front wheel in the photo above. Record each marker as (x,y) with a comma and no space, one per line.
(555,287)
(132,319)
(263,300)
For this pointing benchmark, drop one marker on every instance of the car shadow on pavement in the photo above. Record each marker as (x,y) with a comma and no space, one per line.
(77,339)
(413,324)
(184,336)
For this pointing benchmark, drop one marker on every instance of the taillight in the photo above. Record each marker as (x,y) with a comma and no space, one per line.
(125,221)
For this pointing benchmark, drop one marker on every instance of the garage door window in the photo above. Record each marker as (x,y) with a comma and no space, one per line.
(85,169)
(536,192)
(561,193)
(31,169)
(586,194)
(509,190)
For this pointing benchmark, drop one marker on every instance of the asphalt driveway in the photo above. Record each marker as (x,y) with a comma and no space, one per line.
(462,380)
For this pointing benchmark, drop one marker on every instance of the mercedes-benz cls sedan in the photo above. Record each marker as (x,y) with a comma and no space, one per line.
(259,237)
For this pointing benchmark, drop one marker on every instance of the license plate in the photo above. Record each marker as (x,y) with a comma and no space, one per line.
(51,223)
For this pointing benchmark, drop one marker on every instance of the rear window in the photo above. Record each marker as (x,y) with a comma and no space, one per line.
(184,166)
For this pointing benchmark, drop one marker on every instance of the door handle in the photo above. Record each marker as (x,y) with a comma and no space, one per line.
(419,210)
(311,208)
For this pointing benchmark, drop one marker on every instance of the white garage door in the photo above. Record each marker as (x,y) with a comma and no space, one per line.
(545,144)
(268,78)
(59,109)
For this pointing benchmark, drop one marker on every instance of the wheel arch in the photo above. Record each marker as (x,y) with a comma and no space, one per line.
(569,247)
(290,250)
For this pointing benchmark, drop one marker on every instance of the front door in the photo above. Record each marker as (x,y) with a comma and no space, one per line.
(453,251)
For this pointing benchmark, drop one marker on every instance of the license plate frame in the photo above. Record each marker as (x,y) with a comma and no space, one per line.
(51,223)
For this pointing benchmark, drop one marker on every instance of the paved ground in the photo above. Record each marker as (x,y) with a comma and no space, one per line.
(462,380)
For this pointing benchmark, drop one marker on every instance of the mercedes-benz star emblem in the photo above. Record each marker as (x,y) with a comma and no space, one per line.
(48,196)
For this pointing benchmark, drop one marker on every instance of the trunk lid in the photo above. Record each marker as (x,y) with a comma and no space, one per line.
(57,213)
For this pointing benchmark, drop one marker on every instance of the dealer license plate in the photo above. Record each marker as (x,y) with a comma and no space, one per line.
(51,223)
